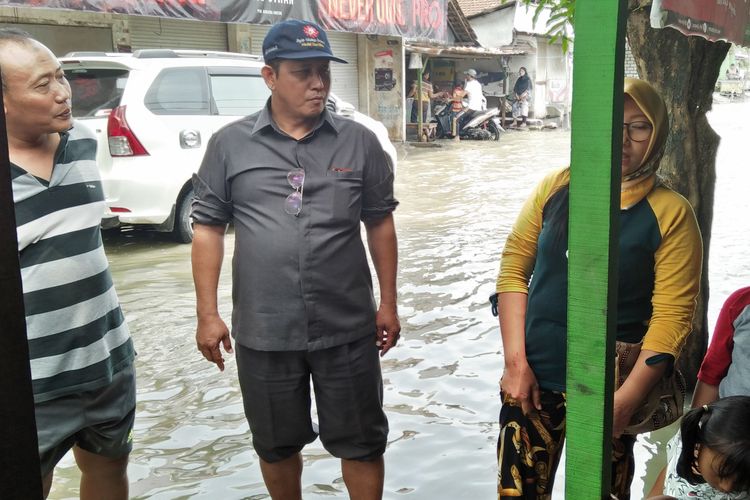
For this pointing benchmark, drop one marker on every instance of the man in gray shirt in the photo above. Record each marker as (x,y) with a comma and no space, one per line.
(296,181)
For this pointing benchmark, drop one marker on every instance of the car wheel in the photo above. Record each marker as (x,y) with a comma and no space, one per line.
(183,229)
(494,131)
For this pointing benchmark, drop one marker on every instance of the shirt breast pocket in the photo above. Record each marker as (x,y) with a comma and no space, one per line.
(345,185)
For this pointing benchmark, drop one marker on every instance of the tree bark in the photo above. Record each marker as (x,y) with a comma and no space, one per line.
(684,71)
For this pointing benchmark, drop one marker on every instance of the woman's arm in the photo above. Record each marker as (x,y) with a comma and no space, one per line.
(630,396)
(678,263)
(677,270)
(518,381)
(704,394)
(516,266)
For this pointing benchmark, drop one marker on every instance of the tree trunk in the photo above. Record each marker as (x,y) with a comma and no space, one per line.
(684,71)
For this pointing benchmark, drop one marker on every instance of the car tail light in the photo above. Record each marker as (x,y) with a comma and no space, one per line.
(122,140)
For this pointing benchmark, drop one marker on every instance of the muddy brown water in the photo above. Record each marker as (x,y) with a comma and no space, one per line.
(458,203)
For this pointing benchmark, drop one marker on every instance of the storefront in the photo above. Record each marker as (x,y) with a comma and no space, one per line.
(447,65)
(369,35)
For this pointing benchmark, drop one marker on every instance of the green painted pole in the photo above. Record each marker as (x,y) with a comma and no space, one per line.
(594,225)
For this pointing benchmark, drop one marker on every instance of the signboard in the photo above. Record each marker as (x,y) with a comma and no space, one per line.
(715,20)
(416,19)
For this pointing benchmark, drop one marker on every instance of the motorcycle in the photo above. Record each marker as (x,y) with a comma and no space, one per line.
(482,125)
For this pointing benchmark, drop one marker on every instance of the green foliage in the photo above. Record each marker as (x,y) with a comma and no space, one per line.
(560,23)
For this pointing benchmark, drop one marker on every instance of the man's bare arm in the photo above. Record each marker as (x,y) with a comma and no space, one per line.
(382,242)
(207,256)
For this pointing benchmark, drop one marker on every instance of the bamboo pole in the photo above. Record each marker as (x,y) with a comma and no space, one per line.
(420,104)
(594,226)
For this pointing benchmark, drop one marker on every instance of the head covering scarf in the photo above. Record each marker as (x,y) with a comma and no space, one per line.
(639,183)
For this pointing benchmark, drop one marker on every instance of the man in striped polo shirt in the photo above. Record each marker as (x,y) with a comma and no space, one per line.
(80,350)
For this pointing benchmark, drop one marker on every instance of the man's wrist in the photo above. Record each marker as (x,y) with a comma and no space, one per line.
(205,315)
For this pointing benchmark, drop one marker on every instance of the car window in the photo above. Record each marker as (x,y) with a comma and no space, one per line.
(238,95)
(179,91)
(95,91)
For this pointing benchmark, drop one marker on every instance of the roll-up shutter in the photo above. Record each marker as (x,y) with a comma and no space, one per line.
(345,81)
(345,76)
(160,33)
(63,39)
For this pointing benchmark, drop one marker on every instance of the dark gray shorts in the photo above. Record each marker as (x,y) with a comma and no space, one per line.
(348,392)
(98,421)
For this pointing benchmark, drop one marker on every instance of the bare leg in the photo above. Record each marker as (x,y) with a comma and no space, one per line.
(658,487)
(283,479)
(102,477)
(364,480)
(47,484)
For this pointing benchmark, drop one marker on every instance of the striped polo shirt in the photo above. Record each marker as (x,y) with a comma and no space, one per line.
(78,338)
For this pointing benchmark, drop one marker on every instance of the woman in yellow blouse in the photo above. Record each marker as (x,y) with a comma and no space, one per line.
(660,259)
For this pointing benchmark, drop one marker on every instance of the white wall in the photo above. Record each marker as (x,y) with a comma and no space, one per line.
(494,29)
(550,74)
(524,19)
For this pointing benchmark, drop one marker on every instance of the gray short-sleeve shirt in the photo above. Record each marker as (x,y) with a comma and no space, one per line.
(299,282)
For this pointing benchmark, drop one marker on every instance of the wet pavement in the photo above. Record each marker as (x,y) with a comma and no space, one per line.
(458,203)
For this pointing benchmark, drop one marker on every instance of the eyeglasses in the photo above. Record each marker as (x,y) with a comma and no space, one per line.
(638,131)
(293,202)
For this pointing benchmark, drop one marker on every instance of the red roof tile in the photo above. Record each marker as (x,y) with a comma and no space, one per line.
(473,7)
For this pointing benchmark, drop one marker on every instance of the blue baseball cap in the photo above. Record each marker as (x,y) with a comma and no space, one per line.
(295,39)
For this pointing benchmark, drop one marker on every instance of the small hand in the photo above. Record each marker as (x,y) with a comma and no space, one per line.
(211,333)
(388,328)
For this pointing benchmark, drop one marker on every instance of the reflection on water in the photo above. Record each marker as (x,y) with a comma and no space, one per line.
(457,205)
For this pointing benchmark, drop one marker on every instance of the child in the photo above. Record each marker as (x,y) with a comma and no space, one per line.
(457,109)
(715,458)
(723,373)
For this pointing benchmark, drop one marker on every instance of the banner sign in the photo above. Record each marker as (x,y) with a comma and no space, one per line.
(414,19)
(715,20)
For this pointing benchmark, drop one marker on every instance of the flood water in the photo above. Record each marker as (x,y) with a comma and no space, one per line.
(458,203)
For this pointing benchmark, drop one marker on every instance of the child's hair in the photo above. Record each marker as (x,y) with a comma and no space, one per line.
(724,427)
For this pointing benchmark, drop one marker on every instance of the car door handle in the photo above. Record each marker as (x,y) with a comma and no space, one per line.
(190,139)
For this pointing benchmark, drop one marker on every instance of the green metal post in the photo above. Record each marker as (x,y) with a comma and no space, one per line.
(594,209)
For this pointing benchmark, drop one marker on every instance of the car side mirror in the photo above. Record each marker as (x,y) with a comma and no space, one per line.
(346,109)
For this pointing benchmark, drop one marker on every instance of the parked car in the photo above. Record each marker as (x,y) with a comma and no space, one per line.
(346,109)
(153,112)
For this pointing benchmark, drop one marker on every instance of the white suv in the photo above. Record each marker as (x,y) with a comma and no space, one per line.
(153,112)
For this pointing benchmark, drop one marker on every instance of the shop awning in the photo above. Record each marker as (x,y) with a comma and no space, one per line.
(712,19)
(459,51)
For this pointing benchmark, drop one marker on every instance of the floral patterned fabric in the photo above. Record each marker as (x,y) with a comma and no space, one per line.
(529,447)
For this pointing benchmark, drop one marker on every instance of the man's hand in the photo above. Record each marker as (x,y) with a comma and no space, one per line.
(520,384)
(212,332)
(388,328)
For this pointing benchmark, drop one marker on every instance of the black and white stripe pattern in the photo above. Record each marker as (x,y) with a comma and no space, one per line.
(77,334)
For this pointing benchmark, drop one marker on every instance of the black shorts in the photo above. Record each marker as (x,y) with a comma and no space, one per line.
(99,421)
(348,392)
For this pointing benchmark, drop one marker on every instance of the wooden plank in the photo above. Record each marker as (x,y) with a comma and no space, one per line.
(19,455)
(592,265)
